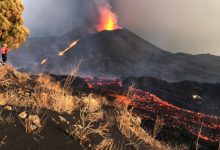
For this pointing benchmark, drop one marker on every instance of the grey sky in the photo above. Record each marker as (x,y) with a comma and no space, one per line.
(190,26)
(49,17)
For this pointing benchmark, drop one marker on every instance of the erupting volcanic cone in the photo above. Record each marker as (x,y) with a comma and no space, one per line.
(108,20)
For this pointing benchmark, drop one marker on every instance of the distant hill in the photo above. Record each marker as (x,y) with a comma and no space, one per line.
(117,53)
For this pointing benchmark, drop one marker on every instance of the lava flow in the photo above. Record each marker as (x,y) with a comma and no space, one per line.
(68,48)
(149,106)
(108,20)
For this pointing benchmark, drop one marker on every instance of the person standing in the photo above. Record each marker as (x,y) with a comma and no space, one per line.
(4,50)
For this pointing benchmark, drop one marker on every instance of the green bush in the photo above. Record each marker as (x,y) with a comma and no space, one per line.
(12,30)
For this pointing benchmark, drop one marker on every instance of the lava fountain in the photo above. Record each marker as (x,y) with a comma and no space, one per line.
(108,20)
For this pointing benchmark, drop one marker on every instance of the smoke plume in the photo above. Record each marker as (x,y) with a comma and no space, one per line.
(55,17)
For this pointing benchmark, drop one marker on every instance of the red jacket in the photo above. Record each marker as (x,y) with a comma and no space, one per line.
(5,50)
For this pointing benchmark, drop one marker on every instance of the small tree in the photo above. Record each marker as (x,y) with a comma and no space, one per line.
(12,30)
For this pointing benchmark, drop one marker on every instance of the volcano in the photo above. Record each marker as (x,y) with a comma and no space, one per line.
(117,53)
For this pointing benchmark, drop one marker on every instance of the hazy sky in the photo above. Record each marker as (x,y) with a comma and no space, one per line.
(190,26)
(50,17)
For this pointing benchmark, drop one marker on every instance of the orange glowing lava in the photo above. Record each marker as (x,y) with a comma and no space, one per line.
(148,106)
(122,99)
(108,20)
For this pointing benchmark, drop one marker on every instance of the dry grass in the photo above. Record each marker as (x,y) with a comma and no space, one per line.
(50,95)
(114,146)
(19,89)
(10,74)
(106,144)
(159,123)
(136,142)
(130,126)
(68,82)
(198,137)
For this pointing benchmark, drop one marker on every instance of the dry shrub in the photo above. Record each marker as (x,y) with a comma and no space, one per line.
(88,125)
(127,123)
(159,123)
(130,126)
(92,103)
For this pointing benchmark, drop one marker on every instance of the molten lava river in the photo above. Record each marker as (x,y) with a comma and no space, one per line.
(148,106)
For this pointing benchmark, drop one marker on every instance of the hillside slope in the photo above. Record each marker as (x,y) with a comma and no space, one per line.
(38,113)
(118,53)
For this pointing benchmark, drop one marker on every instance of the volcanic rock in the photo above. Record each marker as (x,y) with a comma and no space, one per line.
(23,115)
